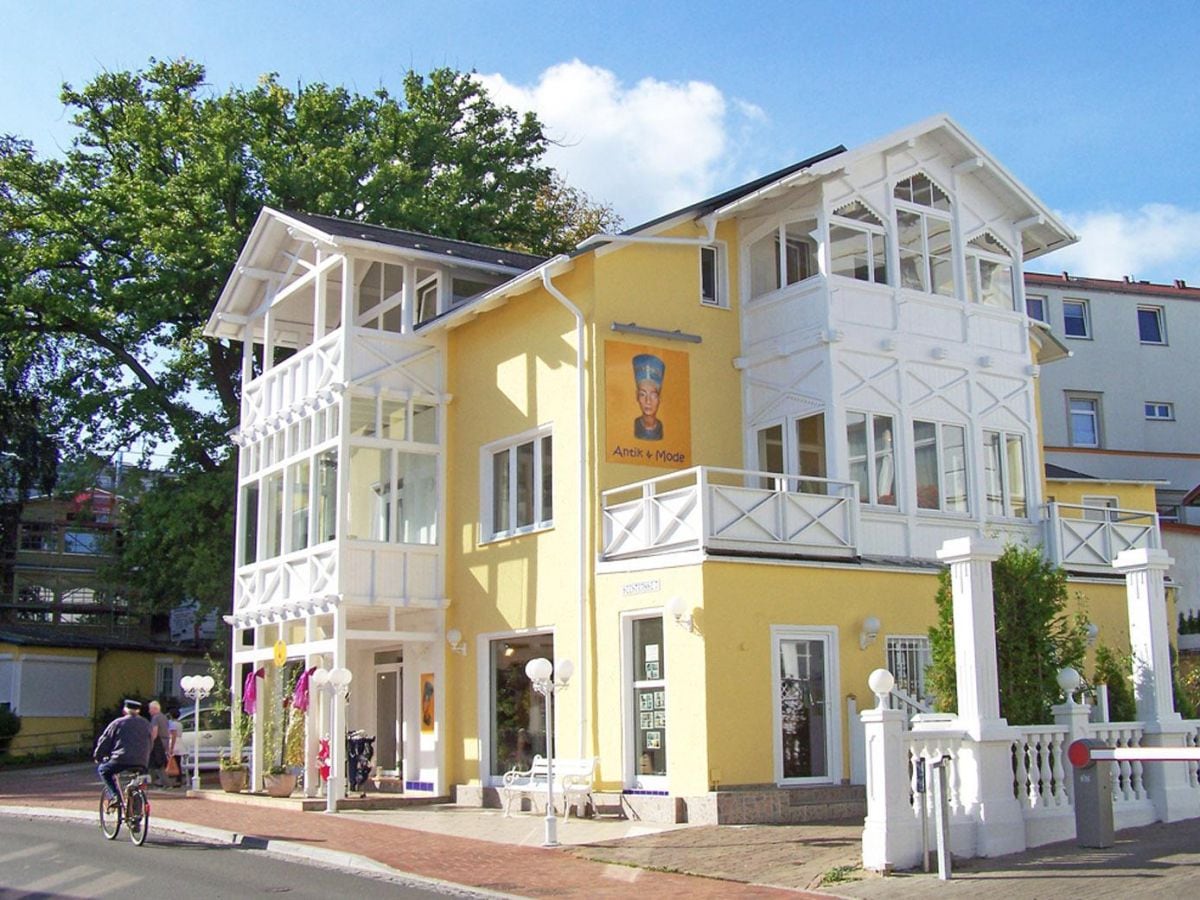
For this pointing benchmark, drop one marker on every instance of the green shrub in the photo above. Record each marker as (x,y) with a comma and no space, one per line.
(10,725)
(1116,670)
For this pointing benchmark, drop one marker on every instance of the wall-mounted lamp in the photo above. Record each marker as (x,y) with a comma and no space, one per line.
(870,631)
(1093,633)
(509,649)
(457,644)
(678,608)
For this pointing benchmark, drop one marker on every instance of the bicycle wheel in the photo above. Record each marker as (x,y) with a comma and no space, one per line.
(110,816)
(137,818)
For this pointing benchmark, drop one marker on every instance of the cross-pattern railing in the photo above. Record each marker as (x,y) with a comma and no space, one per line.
(715,508)
(1089,538)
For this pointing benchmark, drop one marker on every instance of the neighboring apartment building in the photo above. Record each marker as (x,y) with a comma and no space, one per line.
(710,460)
(1122,407)
(70,642)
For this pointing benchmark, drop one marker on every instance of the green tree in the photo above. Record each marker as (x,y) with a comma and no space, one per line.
(1116,671)
(114,252)
(1034,636)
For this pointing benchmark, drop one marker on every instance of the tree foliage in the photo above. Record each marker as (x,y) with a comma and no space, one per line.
(114,252)
(1034,636)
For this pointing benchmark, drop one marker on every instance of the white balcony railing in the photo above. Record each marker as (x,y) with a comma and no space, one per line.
(1089,538)
(731,509)
(293,380)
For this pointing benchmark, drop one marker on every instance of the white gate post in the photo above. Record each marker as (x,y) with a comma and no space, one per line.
(891,833)
(1149,640)
(985,763)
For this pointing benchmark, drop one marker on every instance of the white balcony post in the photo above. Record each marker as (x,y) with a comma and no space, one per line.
(985,763)
(891,835)
(1149,639)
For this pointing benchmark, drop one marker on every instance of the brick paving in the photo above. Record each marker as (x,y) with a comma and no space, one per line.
(487,865)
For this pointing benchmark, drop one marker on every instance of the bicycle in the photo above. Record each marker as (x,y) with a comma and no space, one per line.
(131,806)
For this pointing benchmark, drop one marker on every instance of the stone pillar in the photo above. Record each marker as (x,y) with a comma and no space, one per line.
(1149,639)
(891,833)
(985,763)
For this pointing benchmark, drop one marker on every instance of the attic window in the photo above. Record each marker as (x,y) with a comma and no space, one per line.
(859,212)
(990,272)
(919,190)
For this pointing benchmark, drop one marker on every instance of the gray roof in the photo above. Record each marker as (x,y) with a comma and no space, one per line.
(1062,472)
(64,636)
(414,240)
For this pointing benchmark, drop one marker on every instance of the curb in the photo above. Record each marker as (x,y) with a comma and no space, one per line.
(292,849)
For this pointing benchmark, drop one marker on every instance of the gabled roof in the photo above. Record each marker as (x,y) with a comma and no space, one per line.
(1066,281)
(64,636)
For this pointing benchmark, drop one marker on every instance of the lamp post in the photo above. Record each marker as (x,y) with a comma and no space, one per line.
(540,673)
(335,683)
(197,687)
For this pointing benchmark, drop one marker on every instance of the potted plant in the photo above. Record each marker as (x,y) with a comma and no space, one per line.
(233,773)
(279,781)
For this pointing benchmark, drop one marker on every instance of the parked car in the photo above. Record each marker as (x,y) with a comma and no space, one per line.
(214,736)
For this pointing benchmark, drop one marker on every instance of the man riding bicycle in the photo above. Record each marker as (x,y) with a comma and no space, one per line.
(125,744)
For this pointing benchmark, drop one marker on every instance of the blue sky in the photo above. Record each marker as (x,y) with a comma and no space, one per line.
(1092,106)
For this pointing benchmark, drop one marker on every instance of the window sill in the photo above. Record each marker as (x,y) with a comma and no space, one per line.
(501,536)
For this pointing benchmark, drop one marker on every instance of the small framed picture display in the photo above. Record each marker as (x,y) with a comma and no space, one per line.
(660,719)
(660,699)
(646,720)
(646,700)
(652,670)
(653,740)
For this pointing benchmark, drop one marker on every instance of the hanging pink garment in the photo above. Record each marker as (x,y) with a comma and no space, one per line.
(300,694)
(250,691)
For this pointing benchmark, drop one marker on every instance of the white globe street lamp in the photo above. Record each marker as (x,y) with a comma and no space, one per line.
(540,672)
(335,683)
(197,687)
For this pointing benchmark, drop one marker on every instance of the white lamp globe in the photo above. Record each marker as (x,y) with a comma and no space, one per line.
(881,682)
(538,669)
(341,677)
(186,682)
(319,677)
(565,669)
(1069,680)
(207,682)
(453,636)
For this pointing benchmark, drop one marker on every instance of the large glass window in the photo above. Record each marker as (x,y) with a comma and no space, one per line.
(326,496)
(649,697)
(810,450)
(368,515)
(273,488)
(872,457)
(856,244)
(249,506)
(520,492)
(923,233)
(784,256)
(1035,308)
(518,721)
(941,465)
(1004,474)
(380,295)
(298,478)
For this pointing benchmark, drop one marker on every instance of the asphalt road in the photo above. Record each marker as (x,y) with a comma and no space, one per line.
(62,858)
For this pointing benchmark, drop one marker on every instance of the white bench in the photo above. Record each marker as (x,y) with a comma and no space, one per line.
(572,781)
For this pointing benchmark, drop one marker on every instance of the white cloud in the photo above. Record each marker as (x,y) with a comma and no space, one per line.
(1157,242)
(646,148)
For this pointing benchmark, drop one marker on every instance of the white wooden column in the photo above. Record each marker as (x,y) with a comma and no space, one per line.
(1149,639)
(985,761)
(970,560)
(891,836)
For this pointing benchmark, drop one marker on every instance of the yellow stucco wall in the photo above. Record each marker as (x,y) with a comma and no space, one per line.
(1130,496)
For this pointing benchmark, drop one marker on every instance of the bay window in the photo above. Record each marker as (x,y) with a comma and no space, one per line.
(856,244)
(785,255)
(1004,474)
(924,236)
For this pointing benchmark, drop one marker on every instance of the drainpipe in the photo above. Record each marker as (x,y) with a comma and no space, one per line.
(709,223)
(581,413)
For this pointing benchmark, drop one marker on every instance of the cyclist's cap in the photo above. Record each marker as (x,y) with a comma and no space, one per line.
(133,704)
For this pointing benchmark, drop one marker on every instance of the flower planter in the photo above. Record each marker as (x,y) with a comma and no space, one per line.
(233,781)
(280,785)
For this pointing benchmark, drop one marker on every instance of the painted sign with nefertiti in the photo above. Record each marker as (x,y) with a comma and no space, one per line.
(647,406)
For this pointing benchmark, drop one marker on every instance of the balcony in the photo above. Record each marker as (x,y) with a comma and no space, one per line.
(706,508)
(1088,538)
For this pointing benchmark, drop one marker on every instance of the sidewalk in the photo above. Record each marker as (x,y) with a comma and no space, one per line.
(482,849)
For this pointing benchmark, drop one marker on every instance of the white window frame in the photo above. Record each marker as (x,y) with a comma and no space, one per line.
(1097,419)
(1087,319)
(869,231)
(940,456)
(925,213)
(1160,316)
(541,522)
(1006,477)
(780,232)
(483,694)
(633,779)
(1100,507)
(719,255)
(975,255)
(1153,409)
(1042,302)
(828,634)
(872,458)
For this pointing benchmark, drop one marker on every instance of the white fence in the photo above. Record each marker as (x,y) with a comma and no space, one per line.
(733,509)
(1089,538)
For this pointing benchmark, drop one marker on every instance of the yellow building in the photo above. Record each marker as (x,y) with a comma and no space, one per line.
(710,460)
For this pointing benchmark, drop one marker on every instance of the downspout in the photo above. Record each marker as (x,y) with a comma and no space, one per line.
(709,223)
(581,413)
